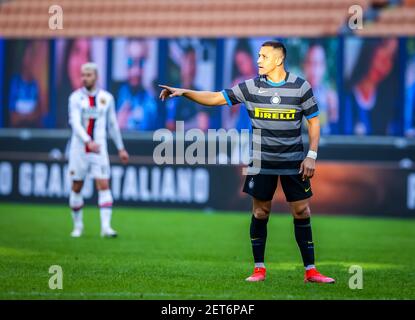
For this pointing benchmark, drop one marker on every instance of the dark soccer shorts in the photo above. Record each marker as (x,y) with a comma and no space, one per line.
(263,186)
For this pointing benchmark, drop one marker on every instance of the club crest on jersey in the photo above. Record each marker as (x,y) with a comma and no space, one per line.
(275,99)
(103,101)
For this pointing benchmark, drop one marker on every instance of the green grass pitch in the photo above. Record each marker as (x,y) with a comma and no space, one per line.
(182,254)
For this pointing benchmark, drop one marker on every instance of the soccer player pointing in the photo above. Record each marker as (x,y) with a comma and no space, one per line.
(91,113)
(276,101)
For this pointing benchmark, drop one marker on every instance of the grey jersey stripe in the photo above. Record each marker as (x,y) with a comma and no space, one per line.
(244,89)
(278,148)
(309,103)
(276,125)
(272,141)
(293,133)
(311,110)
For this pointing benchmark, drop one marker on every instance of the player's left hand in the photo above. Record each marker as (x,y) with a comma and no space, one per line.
(307,168)
(123,154)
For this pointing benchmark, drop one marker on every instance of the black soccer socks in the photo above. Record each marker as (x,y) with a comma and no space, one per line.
(304,237)
(258,232)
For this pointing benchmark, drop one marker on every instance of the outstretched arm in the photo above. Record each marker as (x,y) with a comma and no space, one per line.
(207,98)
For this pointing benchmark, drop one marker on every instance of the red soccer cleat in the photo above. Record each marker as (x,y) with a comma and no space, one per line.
(258,275)
(313,275)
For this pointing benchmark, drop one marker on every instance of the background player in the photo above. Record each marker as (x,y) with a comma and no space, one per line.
(276,102)
(91,112)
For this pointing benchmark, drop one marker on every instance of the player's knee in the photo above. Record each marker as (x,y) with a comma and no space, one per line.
(105,198)
(261,212)
(302,212)
(103,185)
(76,201)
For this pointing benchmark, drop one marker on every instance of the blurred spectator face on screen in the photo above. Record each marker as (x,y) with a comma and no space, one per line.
(382,62)
(243,68)
(75,52)
(78,55)
(315,65)
(188,69)
(185,110)
(27,63)
(24,92)
(136,107)
(137,52)
(371,107)
(375,63)
(244,63)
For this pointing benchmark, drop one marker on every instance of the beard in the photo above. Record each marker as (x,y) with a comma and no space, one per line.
(89,86)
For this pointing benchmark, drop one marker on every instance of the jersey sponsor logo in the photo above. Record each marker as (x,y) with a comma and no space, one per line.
(274,114)
(91,113)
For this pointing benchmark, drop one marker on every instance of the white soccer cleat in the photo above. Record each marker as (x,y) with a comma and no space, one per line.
(108,233)
(77,232)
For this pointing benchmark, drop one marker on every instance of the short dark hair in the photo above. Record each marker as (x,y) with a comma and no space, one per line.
(276,45)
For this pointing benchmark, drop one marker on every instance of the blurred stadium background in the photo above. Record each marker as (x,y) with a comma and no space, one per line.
(367,146)
(367,152)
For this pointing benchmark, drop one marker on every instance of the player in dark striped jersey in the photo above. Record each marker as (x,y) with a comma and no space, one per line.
(277,101)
